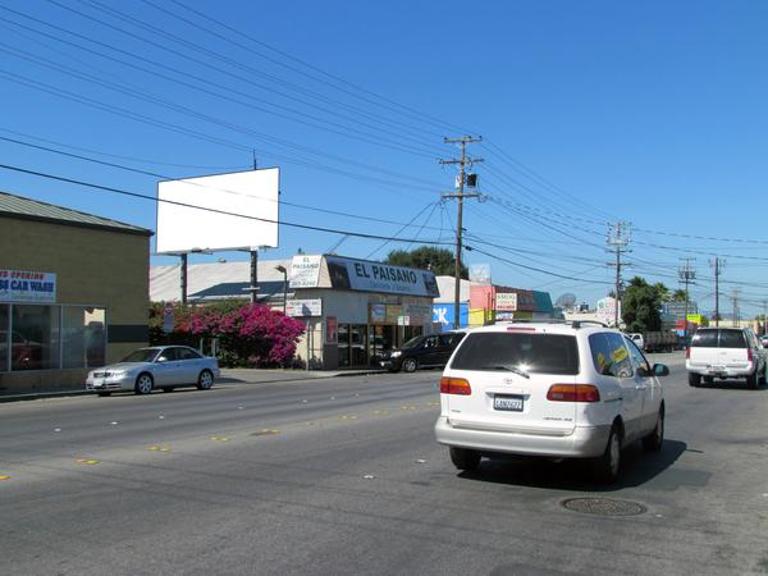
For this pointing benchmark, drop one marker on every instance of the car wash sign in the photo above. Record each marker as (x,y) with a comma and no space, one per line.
(26,286)
(349,274)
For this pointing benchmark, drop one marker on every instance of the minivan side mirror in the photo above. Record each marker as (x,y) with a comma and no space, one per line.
(660,370)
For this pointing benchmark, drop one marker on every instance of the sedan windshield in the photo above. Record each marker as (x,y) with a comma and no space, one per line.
(141,355)
(413,342)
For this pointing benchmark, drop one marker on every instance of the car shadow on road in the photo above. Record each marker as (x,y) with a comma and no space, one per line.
(638,467)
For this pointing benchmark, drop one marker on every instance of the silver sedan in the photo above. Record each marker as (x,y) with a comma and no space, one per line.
(163,367)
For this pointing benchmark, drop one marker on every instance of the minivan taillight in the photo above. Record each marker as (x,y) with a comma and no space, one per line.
(749,355)
(455,386)
(573,393)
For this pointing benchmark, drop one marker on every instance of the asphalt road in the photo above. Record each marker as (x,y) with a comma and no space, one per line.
(343,476)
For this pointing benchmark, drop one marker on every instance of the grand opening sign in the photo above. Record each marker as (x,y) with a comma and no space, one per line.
(26,286)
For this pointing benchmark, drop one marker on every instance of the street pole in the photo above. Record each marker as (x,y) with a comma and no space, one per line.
(717,264)
(184,263)
(254,275)
(618,239)
(463,162)
(687,276)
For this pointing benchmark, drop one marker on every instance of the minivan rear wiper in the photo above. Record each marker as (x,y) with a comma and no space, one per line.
(514,369)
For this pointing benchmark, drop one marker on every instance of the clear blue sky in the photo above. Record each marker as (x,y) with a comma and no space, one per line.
(652,113)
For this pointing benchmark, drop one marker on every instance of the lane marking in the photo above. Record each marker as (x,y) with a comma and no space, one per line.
(220,438)
(4,477)
(87,461)
(158,448)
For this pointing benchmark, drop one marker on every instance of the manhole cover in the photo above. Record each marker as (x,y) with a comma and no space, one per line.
(604,506)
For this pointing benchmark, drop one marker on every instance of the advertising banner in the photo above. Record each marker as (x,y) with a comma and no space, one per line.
(26,286)
(304,308)
(378,313)
(331,330)
(305,271)
(506,301)
(443,314)
(349,274)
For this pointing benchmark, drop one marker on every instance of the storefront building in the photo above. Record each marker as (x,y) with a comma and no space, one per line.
(73,294)
(357,309)
(490,303)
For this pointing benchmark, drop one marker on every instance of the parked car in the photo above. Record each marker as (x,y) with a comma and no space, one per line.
(430,351)
(164,367)
(725,353)
(549,390)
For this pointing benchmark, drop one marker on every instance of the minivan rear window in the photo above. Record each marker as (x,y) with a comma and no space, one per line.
(732,339)
(505,351)
(727,339)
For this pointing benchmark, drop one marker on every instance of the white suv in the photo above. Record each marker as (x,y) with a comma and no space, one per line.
(552,390)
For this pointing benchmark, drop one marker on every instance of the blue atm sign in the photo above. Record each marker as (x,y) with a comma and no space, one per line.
(443,314)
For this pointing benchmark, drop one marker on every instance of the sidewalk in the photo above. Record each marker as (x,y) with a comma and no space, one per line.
(228,376)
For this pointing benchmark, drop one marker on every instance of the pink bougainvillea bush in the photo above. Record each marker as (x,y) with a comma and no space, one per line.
(248,334)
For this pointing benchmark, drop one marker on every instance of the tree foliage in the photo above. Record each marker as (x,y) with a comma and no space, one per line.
(438,260)
(249,334)
(641,305)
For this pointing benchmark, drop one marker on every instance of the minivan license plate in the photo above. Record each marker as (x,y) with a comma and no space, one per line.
(508,403)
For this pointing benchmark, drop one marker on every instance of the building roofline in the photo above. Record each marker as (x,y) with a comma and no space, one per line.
(97,222)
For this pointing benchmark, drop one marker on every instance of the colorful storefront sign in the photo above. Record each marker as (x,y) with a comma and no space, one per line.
(27,286)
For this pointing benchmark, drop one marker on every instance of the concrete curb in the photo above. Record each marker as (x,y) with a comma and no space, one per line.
(312,375)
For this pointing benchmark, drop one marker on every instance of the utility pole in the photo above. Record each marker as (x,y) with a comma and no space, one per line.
(687,276)
(462,162)
(735,299)
(765,317)
(618,240)
(717,264)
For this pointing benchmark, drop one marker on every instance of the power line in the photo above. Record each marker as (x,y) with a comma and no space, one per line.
(223,212)
(166,177)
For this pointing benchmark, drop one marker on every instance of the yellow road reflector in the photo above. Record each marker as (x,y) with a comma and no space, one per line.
(156,448)
(266,432)
(4,477)
(88,461)
(220,438)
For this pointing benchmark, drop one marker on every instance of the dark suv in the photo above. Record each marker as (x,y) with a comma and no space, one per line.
(431,351)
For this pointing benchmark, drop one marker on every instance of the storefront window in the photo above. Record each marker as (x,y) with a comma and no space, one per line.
(35,332)
(4,337)
(381,339)
(343,345)
(84,337)
(359,356)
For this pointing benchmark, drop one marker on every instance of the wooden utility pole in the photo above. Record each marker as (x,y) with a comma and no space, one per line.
(462,162)
(717,264)
(687,276)
(618,240)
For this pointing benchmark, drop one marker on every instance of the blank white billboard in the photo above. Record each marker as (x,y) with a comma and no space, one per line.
(201,213)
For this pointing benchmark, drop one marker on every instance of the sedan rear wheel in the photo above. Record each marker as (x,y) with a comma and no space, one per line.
(144,384)
(205,380)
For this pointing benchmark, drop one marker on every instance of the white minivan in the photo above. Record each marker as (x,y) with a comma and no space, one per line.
(552,390)
(725,353)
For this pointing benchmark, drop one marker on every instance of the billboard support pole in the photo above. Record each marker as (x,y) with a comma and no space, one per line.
(184,278)
(254,275)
